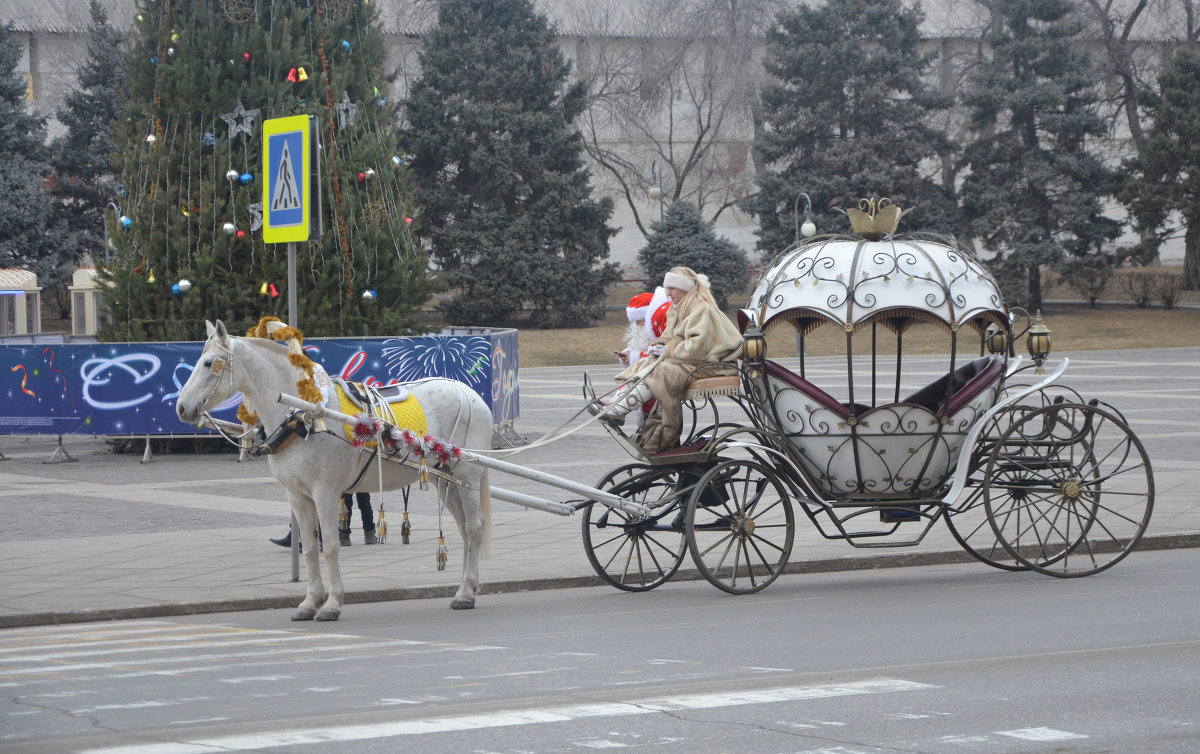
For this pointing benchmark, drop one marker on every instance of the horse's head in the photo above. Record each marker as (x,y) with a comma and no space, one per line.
(211,380)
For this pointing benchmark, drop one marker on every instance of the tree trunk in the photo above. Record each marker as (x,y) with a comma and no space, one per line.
(1191,256)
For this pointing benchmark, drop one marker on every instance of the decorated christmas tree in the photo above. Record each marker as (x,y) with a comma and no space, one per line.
(203,75)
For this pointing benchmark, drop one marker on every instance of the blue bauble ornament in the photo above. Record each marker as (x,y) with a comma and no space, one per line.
(246,178)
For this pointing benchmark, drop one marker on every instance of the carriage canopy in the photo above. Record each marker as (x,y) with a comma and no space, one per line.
(896,281)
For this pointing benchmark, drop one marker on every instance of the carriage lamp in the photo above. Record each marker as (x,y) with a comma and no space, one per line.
(754,349)
(1039,341)
(996,339)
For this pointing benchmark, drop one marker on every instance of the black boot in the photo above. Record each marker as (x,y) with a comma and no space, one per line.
(286,541)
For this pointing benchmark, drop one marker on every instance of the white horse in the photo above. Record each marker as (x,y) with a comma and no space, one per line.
(315,471)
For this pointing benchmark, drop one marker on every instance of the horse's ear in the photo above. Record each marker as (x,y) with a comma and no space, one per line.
(219,329)
(209,329)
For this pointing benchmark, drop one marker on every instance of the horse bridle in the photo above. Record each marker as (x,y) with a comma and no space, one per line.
(221,365)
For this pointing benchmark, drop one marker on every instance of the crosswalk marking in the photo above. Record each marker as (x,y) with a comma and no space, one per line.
(1040,734)
(158,648)
(505,718)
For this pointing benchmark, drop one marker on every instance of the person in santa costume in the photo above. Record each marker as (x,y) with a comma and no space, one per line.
(698,340)
(637,337)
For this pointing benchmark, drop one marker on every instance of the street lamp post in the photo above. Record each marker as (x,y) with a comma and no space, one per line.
(809,228)
(656,187)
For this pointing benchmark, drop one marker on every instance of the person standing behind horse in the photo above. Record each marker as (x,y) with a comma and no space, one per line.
(699,340)
(368,518)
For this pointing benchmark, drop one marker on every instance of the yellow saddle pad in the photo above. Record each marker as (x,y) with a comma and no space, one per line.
(406,414)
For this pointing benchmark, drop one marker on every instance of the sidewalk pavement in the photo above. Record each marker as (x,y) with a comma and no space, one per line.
(107,536)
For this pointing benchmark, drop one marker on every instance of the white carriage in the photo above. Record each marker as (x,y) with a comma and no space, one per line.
(1025,473)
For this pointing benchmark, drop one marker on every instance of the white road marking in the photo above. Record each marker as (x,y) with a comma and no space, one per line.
(1040,734)
(275,652)
(140,705)
(362,732)
(964,739)
(56,656)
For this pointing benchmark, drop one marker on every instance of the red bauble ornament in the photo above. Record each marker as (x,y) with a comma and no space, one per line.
(241,234)
(246,56)
(362,177)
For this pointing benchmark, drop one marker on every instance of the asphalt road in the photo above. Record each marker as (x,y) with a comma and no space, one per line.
(953,658)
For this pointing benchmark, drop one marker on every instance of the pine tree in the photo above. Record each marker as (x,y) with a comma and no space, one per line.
(846,117)
(507,197)
(84,181)
(203,76)
(1033,193)
(24,165)
(683,238)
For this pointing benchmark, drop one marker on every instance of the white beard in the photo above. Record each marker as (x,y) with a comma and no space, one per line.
(636,340)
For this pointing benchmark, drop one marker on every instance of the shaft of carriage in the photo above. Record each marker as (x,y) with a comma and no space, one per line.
(529,501)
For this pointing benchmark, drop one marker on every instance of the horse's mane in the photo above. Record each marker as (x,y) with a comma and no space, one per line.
(273,328)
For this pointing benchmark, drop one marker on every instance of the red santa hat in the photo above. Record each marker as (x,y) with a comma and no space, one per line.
(639,307)
(656,319)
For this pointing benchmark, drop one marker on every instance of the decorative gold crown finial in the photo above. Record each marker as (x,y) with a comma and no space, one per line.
(873,219)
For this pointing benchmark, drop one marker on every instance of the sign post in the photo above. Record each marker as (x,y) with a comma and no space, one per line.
(292,189)
(291,210)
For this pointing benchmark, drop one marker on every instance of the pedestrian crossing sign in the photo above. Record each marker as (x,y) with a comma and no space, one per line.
(291,195)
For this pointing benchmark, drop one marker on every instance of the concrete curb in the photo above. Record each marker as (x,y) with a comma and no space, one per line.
(828,565)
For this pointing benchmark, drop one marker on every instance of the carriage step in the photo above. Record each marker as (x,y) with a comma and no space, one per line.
(900,514)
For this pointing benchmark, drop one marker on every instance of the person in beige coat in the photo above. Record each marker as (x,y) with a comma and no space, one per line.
(699,341)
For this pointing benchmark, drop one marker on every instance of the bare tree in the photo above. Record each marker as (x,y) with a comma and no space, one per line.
(1137,38)
(673,84)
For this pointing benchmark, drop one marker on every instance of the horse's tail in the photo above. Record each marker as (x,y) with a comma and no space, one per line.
(485,508)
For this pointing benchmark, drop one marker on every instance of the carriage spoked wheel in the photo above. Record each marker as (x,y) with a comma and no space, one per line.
(740,526)
(631,552)
(972,529)
(968,521)
(1068,489)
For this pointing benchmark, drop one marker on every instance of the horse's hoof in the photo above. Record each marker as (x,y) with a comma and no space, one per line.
(304,614)
(457,604)
(328,615)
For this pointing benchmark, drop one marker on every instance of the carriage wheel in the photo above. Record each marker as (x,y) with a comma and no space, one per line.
(1068,489)
(633,553)
(972,529)
(968,522)
(740,526)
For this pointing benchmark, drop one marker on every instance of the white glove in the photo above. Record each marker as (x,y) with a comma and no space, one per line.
(657,349)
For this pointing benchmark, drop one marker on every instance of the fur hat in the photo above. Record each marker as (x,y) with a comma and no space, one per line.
(685,279)
(639,307)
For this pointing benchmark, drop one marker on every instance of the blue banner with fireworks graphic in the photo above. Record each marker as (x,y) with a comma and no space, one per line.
(130,388)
